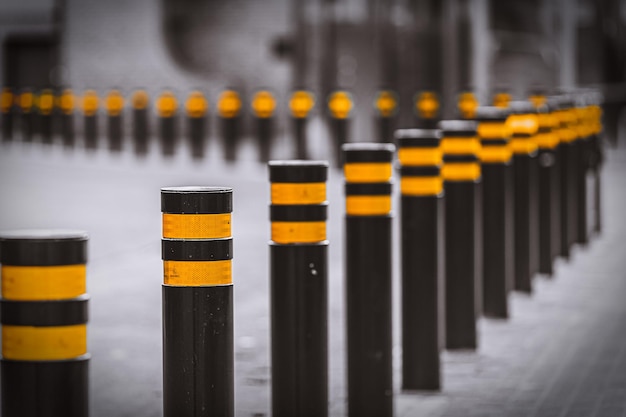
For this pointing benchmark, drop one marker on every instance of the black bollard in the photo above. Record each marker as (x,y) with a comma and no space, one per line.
(196,107)
(91,104)
(44,313)
(228,109)
(45,109)
(427,109)
(7,103)
(467,104)
(463,284)
(583,143)
(66,105)
(368,172)
(386,106)
(596,161)
(339,106)
(497,210)
(422,242)
(140,102)
(298,288)
(167,109)
(197,251)
(300,105)
(263,106)
(26,102)
(114,105)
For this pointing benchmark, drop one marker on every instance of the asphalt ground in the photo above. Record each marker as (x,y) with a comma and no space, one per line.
(562,353)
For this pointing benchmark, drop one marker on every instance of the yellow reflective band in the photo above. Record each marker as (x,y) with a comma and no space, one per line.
(66,102)
(6,100)
(114,103)
(26,101)
(367,171)
(460,146)
(460,171)
(419,186)
(496,154)
(468,105)
(368,205)
(493,130)
(502,100)
(263,104)
(523,146)
(43,282)
(301,103)
(427,105)
(90,103)
(28,343)
(567,135)
(166,104)
(386,103)
(523,123)
(46,102)
(547,120)
(229,104)
(140,100)
(420,156)
(298,193)
(537,100)
(196,226)
(196,105)
(547,140)
(298,232)
(197,274)
(340,104)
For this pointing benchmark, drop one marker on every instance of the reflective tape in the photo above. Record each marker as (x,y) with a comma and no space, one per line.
(421,186)
(460,146)
(427,105)
(526,124)
(367,172)
(196,226)
(140,100)
(66,102)
(340,104)
(298,193)
(567,135)
(166,104)
(114,103)
(26,101)
(6,100)
(45,102)
(90,103)
(301,103)
(502,100)
(496,154)
(263,104)
(197,274)
(196,104)
(523,146)
(298,232)
(43,282)
(493,130)
(368,205)
(547,140)
(229,104)
(420,156)
(30,343)
(460,171)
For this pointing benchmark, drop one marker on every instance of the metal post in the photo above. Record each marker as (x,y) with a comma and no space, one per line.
(368,172)
(140,102)
(167,109)
(299,275)
(7,107)
(196,107)
(300,105)
(263,106)
(228,108)
(339,106)
(497,210)
(114,104)
(422,243)
(44,313)
(67,104)
(197,251)
(90,105)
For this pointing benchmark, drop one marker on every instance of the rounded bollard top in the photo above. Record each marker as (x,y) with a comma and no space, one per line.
(522,107)
(294,171)
(492,114)
(196,200)
(43,247)
(368,152)
(458,128)
(413,138)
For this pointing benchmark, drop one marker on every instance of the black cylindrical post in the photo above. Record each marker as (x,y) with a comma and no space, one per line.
(140,102)
(44,313)
(66,104)
(197,251)
(368,172)
(114,104)
(583,142)
(422,240)
(339,106)
(298,288)
(7,101)
(90,105)
(463,284)
(45,110)
(497,210)
(427,109)
(596,161)
(524,126)
(386,105)
(263,106)
(197,108)
(167,111)
(26,102)
(228,109)
(300,105)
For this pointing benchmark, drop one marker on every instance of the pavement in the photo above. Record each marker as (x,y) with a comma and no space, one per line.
(562,353)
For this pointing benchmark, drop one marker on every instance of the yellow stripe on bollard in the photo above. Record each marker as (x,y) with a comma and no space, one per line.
(26,101)
(166,104)
(427,105)
(43,282)
(140,100)
(90,103)
(460,146)
(386,103)
(298,193)
(66,102)
(196,226)
(421,186)
(368,205)
(538,100)
(468,104)
(263,104)
(195,274)
(367,172)
(298,232)
(45,102)
(340,104)
(496,154)
(526,124)
(420,156)
(196,104)
(493,130)
(114,103)
(460,171)
(523,146)
(6,100)
(301,103)
(28,343)
(502,100)
(229,104)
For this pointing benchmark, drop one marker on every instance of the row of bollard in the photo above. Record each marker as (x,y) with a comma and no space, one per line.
(486,204)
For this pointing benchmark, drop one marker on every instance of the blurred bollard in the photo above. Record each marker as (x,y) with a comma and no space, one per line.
(44,310)
(228,109)
(140,102)
(167,110)
(596,160)
(339,106)
(463,283)
(7,101)
(467,105)
(583,142)
(538,98)
(422,243)
(386,105)
(114,103)
(368,173)
(66,104)
(91,104)
(497,210)
(263,106)
(300,105)
(427,109)
(298,288)
(45,109)
(502,99)
(197,252)
(524,125)
(197,107)
(26,102)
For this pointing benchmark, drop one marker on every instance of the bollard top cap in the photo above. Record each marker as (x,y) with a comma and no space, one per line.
(368,152)
(196,200)
(522,107)
(458,128)
(492,114)
(417,138)
(43,247)
(290,171)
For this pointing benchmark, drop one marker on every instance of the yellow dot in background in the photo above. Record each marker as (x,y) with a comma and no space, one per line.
(263,104)
(340,104)
(301,103)
(229,104)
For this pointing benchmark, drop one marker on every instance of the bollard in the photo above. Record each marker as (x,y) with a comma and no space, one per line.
(386,105)
(167,107)
(298,288)
(66,103)
(45,109)
(26,101)
(461,176)
(339,106)
(502,99)
(596,160)
(582,144)
(228,109)
(197,253)
(524,125)
(422,242)
(427,109)
(497,210)
(44,313)
(7,100)
(114,105)
(197,107)
(91,103)
(300,105)
(368,171)
(140,102)
(467,104)
(263,106)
